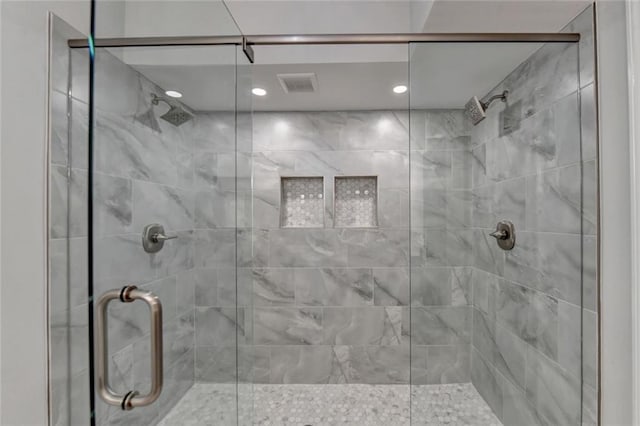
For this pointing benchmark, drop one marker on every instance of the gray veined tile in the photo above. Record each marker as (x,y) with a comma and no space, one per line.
(487,381)
(113,205)
(431,169)
(479,165)
(554,392)
(253,247)
(459,208)
(122,259)
(443,125)
(171,207)
(570,336)
(374,364)
(305,364)
(448,364)
(306,247)
(214,209)
(185,291)
(59,128)
(516,407)
(375,247)
(206,286)
(333,286)
(217,326)
(273,287)
(214,132)
(588,120)
(393,208)
(288,326)
(79,134)
(546,76)
(440,325)
(362,326)
(391,286)
(215,364)
(59,193)
(547,262)
(485,289)
(215,248)
(487,255)
(429,208)
(589,360)
(431,287)
(589,196)
(266,209)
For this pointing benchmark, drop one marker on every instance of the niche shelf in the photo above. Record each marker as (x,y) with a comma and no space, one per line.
(302,202)
(356,202)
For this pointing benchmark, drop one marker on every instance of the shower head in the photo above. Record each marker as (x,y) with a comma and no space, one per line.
(177,114)
(476,110)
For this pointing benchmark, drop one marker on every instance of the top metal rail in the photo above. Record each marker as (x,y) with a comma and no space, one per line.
(291,39)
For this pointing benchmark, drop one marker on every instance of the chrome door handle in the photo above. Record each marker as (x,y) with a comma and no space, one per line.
(132,398)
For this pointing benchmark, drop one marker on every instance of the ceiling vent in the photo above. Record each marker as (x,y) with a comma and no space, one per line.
(299,82)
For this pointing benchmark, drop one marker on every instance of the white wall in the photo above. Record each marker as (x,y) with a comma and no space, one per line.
(23,83)
(615,250)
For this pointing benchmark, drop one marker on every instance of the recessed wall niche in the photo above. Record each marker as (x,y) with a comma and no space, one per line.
(302,202)
(356,202)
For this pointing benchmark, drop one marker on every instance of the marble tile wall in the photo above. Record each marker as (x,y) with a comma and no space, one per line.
(331,304)
(146,171)
(530,165)
(441,247)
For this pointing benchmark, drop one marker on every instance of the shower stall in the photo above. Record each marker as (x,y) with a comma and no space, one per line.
(355,243)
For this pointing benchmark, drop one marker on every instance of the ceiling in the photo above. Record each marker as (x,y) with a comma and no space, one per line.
(361,77)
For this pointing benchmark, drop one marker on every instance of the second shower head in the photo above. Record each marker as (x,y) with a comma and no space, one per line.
(476,110)
(176,115)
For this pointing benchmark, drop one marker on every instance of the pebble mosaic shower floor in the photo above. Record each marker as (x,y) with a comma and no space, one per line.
(327,405)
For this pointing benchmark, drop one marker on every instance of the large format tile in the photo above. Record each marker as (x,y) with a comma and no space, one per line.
(332,286)
(554,392)
(362,326)
(288,326)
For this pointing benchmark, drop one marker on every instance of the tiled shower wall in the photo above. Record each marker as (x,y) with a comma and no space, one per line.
(146,171)
(528,166)
(330,304)
(441,247)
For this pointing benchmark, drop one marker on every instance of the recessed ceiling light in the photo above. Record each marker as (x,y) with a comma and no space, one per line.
(173,94)
(258,91)
(400,89)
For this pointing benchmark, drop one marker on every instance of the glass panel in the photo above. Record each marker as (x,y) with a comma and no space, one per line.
(177,160)
(496,334)
(331,303)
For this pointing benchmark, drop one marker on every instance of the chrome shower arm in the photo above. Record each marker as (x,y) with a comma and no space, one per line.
(502,96)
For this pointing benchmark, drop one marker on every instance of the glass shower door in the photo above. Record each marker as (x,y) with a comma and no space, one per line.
(166,184)
(495,160)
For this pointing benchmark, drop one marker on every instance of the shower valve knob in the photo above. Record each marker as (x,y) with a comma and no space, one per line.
(161,237)
(500,235)
(153,238)
(505,235)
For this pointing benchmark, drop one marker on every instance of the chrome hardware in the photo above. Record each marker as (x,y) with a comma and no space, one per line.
(500,235)
(153,238)
(131,399)
(505,235)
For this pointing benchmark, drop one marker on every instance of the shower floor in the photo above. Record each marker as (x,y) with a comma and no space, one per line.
(320,405)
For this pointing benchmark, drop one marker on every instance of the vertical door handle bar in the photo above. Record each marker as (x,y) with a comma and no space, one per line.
(132,398)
